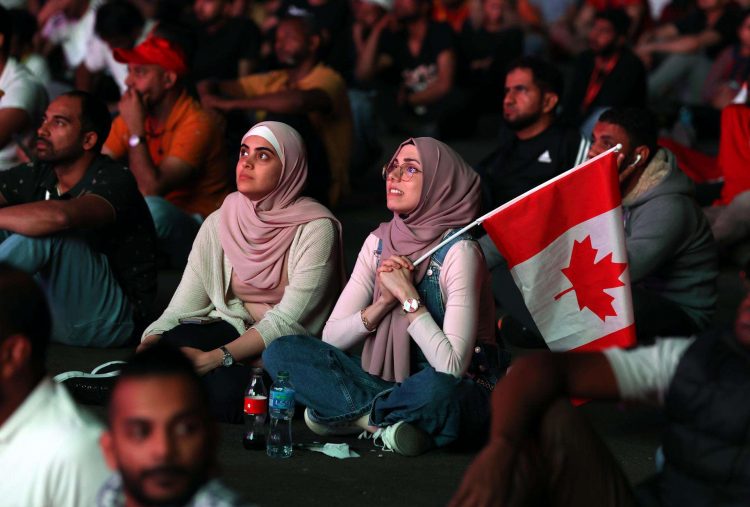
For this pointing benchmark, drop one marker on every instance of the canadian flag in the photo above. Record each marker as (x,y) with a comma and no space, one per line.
(565,246)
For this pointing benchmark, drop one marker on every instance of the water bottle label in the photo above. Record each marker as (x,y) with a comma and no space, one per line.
(282,400)
(256,405)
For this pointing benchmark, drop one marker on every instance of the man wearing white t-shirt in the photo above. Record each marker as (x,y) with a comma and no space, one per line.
(541,448)
(70,24)
(49,454)
(119,24)
(22,98)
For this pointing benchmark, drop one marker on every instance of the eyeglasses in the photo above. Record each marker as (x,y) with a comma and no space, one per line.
(404,172)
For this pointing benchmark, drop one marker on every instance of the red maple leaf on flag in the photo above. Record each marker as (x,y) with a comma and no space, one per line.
(589,278)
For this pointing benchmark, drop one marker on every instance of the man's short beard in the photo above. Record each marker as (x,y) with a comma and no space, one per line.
(523,122)
(133,488)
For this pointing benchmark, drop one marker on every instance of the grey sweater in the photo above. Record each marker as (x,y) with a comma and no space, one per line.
(671,250)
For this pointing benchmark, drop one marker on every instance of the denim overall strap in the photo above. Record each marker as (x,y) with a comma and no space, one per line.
(430,293)
(429,287)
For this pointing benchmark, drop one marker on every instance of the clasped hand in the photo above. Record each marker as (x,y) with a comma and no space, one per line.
(395,278)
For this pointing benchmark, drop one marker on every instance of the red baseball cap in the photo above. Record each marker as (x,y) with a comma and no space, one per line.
(154,50)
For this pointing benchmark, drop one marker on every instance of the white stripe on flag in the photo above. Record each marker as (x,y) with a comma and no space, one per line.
(563,324)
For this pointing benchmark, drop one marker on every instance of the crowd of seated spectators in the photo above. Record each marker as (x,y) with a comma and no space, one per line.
(130,131)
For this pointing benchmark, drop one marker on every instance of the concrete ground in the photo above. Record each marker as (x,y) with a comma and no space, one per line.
(380,478)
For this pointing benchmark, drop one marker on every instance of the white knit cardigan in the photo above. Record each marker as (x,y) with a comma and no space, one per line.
(313,271)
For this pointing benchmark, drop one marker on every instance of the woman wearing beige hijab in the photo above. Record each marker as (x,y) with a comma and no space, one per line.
(413,387)
(266,264)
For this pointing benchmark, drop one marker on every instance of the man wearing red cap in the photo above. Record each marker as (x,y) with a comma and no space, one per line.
(174,148)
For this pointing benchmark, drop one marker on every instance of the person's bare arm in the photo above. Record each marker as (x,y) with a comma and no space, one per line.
(152,180)
(12,120)
(220,94)
(535,381)
(227,88)
(283,102)
(48,217)
(663,32)
(249,345)
(446,62)
(519,400)
(369,62)
(635,12)
(686,43)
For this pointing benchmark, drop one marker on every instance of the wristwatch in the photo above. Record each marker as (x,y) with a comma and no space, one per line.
(135,140)
(411,305)
(228,359)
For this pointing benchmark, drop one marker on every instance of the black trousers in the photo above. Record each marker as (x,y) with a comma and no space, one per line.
(225,386)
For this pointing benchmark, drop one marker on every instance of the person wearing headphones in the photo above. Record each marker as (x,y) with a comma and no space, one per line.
(672,255)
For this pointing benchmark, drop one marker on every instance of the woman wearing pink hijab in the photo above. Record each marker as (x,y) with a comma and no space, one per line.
(266,264)
(422,327)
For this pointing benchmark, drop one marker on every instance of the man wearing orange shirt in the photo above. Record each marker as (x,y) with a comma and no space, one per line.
(173,147)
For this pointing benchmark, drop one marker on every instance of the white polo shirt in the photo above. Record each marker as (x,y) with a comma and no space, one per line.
(49,452)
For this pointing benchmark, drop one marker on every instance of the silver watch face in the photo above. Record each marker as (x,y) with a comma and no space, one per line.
(228,359)
(411,305)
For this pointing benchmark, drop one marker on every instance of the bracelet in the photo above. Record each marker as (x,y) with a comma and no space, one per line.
(366,322)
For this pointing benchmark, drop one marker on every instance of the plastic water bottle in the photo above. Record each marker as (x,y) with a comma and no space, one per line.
(281,410)
(256,412)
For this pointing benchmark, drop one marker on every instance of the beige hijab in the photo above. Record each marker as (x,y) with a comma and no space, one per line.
(256,235)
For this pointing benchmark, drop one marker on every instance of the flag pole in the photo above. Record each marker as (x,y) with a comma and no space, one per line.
(484,217)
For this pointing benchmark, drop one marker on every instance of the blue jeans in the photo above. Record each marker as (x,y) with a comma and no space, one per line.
(175,229)
(89,308)
(334,387)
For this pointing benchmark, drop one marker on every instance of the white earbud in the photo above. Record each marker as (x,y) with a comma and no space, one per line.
(635,162)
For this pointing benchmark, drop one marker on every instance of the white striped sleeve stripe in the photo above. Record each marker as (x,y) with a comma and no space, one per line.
(583,150)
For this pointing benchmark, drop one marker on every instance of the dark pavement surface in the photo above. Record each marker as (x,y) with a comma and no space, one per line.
(381,478)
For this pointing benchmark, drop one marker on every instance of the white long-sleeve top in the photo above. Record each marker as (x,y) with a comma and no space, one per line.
(313,269)
(469,308)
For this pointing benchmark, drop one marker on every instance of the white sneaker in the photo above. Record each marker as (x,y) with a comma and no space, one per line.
(333,429)
(91,388)
(403,438)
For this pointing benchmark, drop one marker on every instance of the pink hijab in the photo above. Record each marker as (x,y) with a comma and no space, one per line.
(256,235)
(450,199)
